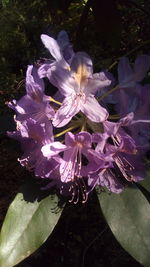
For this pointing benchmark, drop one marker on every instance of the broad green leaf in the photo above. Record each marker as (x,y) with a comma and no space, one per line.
(128,215)
(146,182)
(26,227)
(144,186)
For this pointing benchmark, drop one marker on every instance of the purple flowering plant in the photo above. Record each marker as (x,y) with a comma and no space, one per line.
(76,143)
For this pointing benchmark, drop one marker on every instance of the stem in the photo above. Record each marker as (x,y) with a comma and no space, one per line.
(83,127)
(114,117)
(107,93)
(91,243)
(67,130)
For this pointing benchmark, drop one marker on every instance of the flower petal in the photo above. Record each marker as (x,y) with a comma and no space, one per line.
(65,45)
(98,81)
(34,85)
(63,80)
(64,114)
(52,45)
(68,166)
(52,149)
(141,66)
(63,39)
(125,73)
(45,70)
(82,59)
(92,109)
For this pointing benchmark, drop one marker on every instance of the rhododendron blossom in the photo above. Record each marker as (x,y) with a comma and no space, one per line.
(104,146)
(35,104)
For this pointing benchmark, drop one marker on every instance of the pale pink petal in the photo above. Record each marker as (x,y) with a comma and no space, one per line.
(69,108)
(63,80)
(52,45)
(98,81)
(92,109)
(69,167)
(69,139)
(52,149)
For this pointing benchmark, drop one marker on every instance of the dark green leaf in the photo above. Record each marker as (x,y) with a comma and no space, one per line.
(146,182)
(128,215)
(26,227)
(5,2)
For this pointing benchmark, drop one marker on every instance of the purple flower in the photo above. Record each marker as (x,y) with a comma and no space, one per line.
(65,46)
(124,157)
(129,88)
(79,160)
(78,85)
(77,147)
(35,104)
(60,49)
(33,136)
(129,77)
(140,127)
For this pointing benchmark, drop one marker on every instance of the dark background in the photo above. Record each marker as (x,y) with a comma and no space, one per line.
(106,30)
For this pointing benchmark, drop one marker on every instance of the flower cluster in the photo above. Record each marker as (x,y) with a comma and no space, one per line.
(71,138)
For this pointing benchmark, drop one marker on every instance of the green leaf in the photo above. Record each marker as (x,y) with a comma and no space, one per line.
(146,182)
(5,2)
(27,226)
(128,216)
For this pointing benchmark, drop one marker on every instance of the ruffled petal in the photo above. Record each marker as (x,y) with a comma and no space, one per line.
(45,70)
(108,179)
(98,81)
(27,108)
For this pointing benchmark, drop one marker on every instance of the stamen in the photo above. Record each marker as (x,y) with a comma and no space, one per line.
(75,193)
(83,190)
(55,101)
(116,140)
(76,188)
(125,167)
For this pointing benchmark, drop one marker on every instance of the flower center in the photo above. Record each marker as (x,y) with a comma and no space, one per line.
(81,74)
